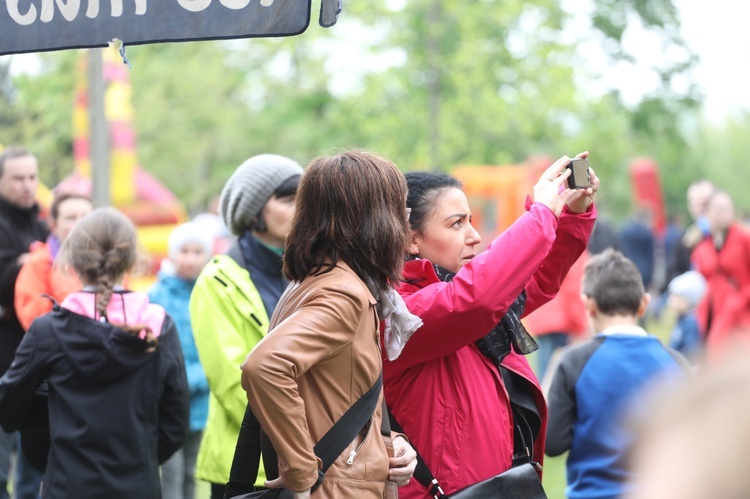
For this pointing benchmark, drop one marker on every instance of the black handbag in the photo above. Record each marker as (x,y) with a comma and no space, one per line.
(519,482)
(246,459)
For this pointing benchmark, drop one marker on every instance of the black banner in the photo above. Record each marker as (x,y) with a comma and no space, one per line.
(41,25)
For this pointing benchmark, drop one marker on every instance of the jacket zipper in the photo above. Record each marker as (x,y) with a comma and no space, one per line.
(354,452)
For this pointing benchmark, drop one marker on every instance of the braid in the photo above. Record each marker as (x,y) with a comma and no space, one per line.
(101,248)
(110,268)
(144,333)
(104,288)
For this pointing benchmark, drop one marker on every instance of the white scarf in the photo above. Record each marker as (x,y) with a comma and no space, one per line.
(400,324)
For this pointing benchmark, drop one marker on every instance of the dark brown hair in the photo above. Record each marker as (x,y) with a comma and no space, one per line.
(101,248)
(350,207)
(614,283)
(60,198)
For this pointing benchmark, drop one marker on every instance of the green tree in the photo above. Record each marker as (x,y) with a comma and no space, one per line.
(488,82)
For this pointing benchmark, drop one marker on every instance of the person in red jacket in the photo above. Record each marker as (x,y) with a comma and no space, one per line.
(724,260)
(448,385)
(38,277)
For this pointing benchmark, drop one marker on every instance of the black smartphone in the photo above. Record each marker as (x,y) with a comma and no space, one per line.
(579,178)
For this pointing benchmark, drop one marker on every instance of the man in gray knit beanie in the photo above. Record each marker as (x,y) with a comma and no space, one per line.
(251,186)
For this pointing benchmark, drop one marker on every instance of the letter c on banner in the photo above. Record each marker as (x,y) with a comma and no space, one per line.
(235,4)
(194,5)
(22,19)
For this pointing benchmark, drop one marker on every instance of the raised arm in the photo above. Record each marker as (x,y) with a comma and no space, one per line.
(577,216)
(572,236)
(459,312)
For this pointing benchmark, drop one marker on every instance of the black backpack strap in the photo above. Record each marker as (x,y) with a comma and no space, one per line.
(246,461)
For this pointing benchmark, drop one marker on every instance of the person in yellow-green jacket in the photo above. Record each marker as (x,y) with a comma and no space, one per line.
(234,297)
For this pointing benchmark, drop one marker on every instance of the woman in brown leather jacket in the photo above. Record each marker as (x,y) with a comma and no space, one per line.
(322,353)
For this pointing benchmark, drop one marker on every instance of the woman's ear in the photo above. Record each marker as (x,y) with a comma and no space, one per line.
(413,248)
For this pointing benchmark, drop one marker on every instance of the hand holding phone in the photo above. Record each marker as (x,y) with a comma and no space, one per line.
(579,176)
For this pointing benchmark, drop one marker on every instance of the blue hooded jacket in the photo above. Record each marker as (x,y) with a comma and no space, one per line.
(173,293)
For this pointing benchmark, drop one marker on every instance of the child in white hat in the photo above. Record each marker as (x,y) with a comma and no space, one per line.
(685,292)
(190,247)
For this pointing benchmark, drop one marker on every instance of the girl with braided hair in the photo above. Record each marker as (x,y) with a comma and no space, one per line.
(118,397)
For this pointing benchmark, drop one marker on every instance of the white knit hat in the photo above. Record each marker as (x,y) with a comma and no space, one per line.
(250,186)
(691,285)
(190,232)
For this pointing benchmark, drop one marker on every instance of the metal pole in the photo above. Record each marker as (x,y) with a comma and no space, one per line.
(99,131)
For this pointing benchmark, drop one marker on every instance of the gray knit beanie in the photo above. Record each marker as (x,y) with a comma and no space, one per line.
(250,186)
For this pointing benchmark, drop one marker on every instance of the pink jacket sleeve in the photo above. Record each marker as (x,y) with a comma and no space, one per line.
(573,231)
(524,256)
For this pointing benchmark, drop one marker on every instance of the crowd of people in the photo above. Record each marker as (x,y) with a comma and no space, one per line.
(349,284)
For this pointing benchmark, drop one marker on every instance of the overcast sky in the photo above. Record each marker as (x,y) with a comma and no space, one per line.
(717,30)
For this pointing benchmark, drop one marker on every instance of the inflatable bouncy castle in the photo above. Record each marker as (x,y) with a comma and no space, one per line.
(149,204)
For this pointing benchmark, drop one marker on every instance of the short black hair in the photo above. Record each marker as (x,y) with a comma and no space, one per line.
(614,283)
(424,189)
(12,152)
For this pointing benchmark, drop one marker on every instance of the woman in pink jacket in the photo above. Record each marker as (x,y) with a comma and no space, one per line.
(448,387)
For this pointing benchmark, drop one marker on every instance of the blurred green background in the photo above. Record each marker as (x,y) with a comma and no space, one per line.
(428,83)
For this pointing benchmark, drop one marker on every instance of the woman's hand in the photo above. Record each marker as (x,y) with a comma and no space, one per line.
(403,463)
(278,483)
(549,190)
(580,199)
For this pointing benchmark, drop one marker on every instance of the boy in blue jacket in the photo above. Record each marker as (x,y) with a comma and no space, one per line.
(190,247)
(597,383)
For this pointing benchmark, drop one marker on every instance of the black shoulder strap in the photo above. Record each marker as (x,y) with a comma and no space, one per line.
(348,426)
(246,459)
(422,473)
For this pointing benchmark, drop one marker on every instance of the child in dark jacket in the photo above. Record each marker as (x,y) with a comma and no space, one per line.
(118,402)
(190,247)
(597,383)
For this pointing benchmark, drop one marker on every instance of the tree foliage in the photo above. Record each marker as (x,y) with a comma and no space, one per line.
(451,83)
